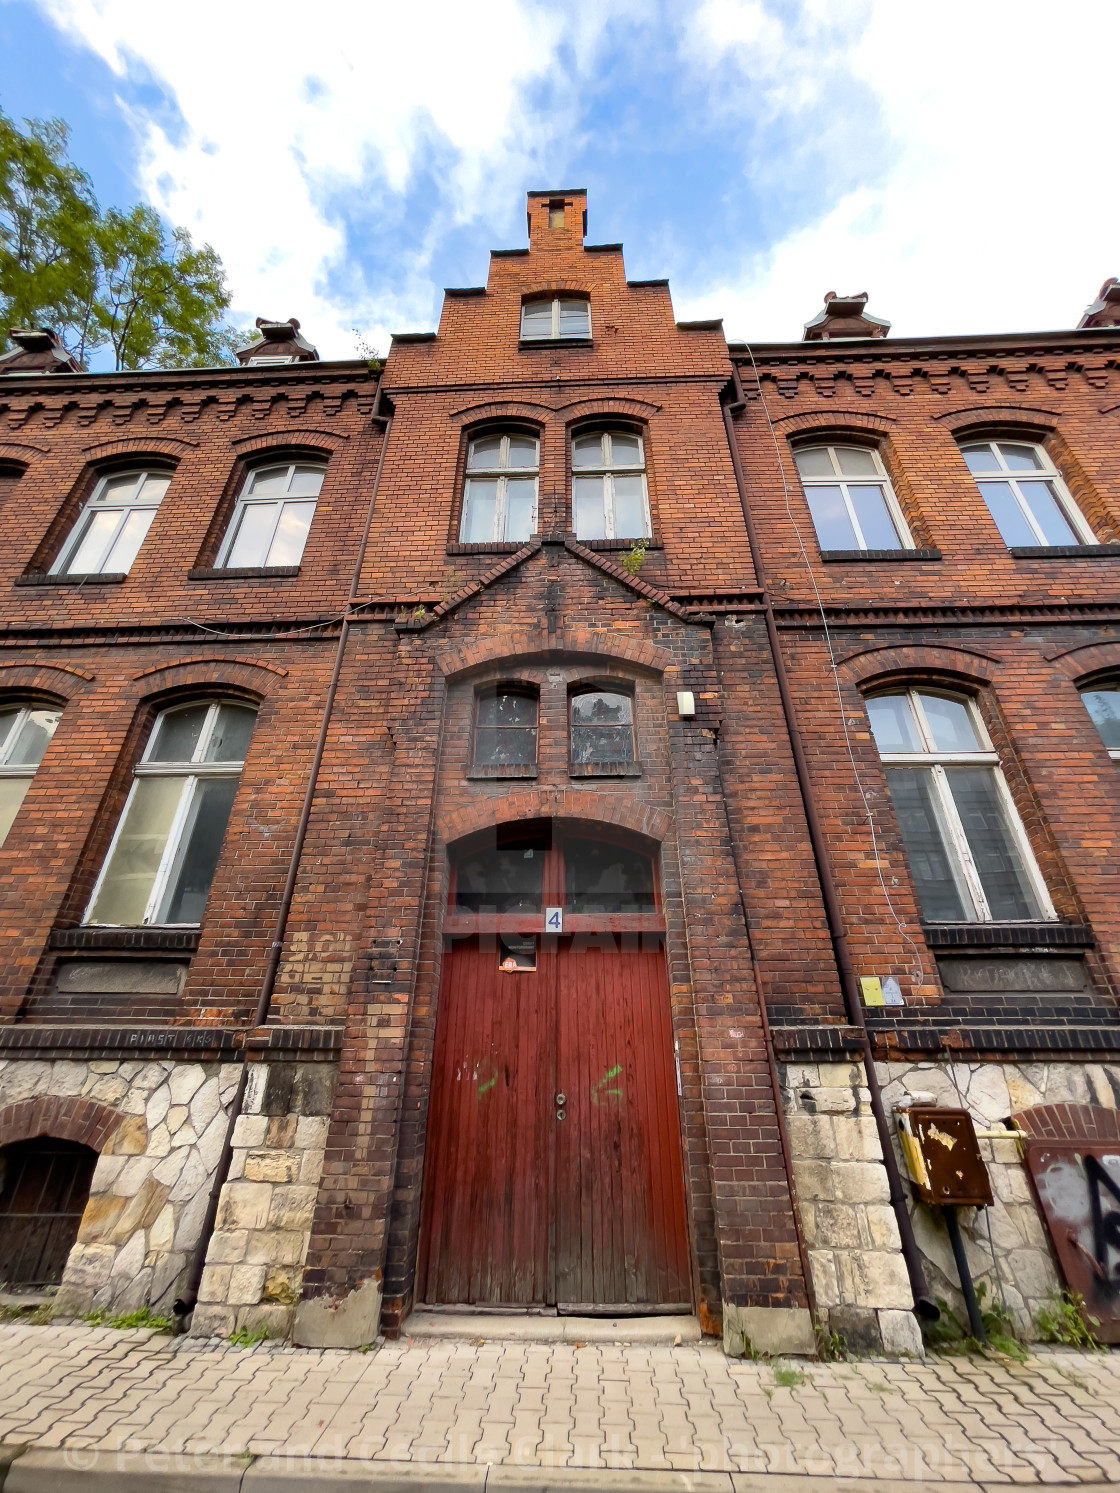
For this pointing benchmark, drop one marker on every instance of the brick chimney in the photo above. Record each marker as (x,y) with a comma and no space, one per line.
(558,219)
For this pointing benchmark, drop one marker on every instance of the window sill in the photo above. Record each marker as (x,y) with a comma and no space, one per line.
(494,547)
(181,940)
(525,343)
(243,573)
(509,770)
(1008,935)
(618,544)
(40,578)
(832,556)
(604,769)
(1063,551)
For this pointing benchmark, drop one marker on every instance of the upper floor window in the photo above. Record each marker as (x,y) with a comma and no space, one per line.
(1025,495)
(609,496)
(25,732)
(552,320)
(1103,706)
(272,516)
(850,498)
(500,497)
(967,850)
(112,524)
(162,858)
(505,730)
(602,727)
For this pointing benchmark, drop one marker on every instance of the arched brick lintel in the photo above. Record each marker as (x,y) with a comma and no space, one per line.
(139,445)
(521,647)
(877,665)
(308,436)
(65,1117)
(48,679)
(976,416)
(1062,1123)
(556,803)
(1092,658)
(257,680)
(838,419)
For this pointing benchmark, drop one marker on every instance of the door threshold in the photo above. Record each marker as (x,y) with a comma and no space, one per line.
(528,1327)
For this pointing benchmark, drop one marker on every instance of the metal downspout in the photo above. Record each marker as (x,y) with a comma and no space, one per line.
(924,1304)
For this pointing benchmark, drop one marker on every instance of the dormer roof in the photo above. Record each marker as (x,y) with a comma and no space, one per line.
(279,342)
(1105,310)
(38,350)
(844,317)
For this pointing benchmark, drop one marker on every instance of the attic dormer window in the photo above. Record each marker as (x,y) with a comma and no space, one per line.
(555,320)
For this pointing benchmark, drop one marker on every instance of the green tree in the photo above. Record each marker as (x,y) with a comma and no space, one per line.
(48,218)
(113,277)
(160,302)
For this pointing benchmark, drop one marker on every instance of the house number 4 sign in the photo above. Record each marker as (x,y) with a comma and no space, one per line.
(554,920)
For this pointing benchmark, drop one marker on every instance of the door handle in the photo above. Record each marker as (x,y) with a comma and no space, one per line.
(560,1100)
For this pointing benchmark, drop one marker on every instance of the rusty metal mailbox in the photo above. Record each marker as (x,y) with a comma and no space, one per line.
(943,1156)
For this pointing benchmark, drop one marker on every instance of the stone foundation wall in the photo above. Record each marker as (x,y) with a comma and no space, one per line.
(254,1266)
(151,1182)
(852,1236)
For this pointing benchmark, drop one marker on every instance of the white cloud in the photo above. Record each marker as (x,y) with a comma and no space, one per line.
(285,106)
(996,213)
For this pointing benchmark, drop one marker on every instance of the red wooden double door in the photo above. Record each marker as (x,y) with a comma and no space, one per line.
(553,1173)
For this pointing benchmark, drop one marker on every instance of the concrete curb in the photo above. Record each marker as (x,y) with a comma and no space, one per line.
(75,1470)
(524,1328)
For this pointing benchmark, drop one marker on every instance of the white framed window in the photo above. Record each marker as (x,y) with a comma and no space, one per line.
(552,320)
(1025,494)
(609,495)
(25,733)
(500,493)
(162,858)
(273,360)
(112,524)
(851,499)
(965,843)
(272,516)
(1103,706)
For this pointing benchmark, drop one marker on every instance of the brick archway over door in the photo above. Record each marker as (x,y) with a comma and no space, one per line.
(64,1118)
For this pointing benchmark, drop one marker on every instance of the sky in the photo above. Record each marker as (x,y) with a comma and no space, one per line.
(349,159)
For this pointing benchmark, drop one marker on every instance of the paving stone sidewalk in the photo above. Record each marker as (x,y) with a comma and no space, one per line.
(445,1405)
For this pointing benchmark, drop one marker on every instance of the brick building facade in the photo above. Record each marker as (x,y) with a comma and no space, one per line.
(567,610)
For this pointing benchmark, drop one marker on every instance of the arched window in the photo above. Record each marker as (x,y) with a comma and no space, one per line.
(112,524)
(850,499)
(602,726)
(25,732)
(505,733)
(609,497)
(500,496)
(555,320)
(272,516)
(44,1188)
(1103,705)
(1025,494)
(967,850)
(166,846)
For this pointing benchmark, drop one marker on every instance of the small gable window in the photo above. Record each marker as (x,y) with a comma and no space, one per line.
(1025,495)
(602,727)
(112,525)
(272,516)
(850,499)
(500,495)
(505,730)
(609,495)
(551,321)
